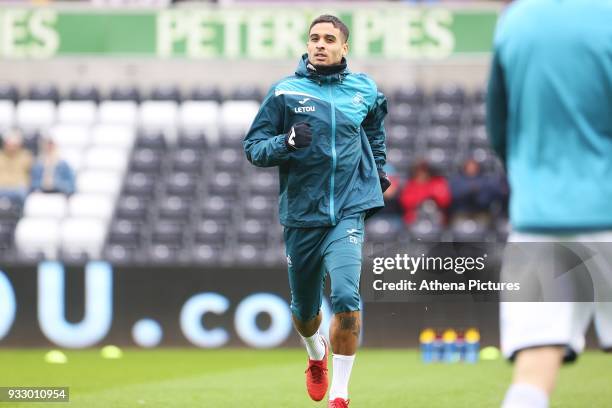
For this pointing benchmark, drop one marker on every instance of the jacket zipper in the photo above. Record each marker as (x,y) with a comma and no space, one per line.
(333,152)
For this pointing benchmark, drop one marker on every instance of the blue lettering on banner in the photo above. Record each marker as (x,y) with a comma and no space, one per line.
(52,305)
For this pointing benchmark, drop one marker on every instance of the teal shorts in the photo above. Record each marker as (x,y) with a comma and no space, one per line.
(312,253)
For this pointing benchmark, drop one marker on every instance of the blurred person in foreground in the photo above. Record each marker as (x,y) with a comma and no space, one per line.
(15,165)
(323,128)
(473,193)
(549,116)
(423,186)
(51,174)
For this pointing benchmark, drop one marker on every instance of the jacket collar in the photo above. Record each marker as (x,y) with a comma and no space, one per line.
(305,69)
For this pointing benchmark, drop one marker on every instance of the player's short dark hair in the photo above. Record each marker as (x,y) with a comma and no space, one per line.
(335,21)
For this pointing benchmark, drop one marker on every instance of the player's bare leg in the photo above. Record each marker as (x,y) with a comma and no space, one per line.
(316,346)
(535,374)
(309,327)
(344,336)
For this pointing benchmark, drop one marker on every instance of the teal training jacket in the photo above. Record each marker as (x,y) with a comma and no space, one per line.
(550,112)
(336,175)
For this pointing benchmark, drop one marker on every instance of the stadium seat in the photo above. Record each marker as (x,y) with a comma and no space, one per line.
(132,208)
(196,117)
(10,209)
(230,160)
(206,93)
(215,208)
(7,230)
(206,254)
(381,230)
(140,184)
(77,112)
(453,94)
(107,159)
(7,115)
(486,158)
(44,205)
(159,116)
(118,254)
(223,184)
(468,231)
(237,116)
(84,93)
(441,160)
(247,93)
(35,115)
(73,156)
(259,207)
(248,254)
(98,206)
(166,93)
(252,231)
(192,140)
(186,160)
(70,136)
(232,139)
(168,232)
(444,113)
(410,94)
(174,208)
(152,139)
(211,231)
(30,240)
(44,92)
(425,231)
(478,113)
(165,254)
(480,95)
(83,235)
(124,232)
(115,136)
(402,137)
(401,159)
(404,114)
(262,182)
(444,137)
(31,140)
(99,182)
(146,160)
(181,184)
(125,93)
(118,113)
(478,137)
(9,92)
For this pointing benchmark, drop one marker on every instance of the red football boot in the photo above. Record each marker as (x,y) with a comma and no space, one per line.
(338,403)
(316,376)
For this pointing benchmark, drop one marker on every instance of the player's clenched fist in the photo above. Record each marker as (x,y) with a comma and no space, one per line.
(299,136)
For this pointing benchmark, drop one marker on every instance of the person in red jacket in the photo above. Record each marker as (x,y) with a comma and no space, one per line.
(423,186)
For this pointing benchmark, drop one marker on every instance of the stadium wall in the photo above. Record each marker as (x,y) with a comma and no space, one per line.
(76,307)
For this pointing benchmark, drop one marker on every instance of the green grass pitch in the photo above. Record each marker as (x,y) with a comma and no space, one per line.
(247,378)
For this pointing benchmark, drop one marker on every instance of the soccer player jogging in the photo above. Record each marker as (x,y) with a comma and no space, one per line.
(323,129)
(549,115)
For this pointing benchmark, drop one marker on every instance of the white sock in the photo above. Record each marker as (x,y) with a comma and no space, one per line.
(521,395)
(315,346)
(340,378)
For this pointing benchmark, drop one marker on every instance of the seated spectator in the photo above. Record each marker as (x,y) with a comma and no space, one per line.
(392,210)
(15,164)
(51,174)
(473,193)
(422,187)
